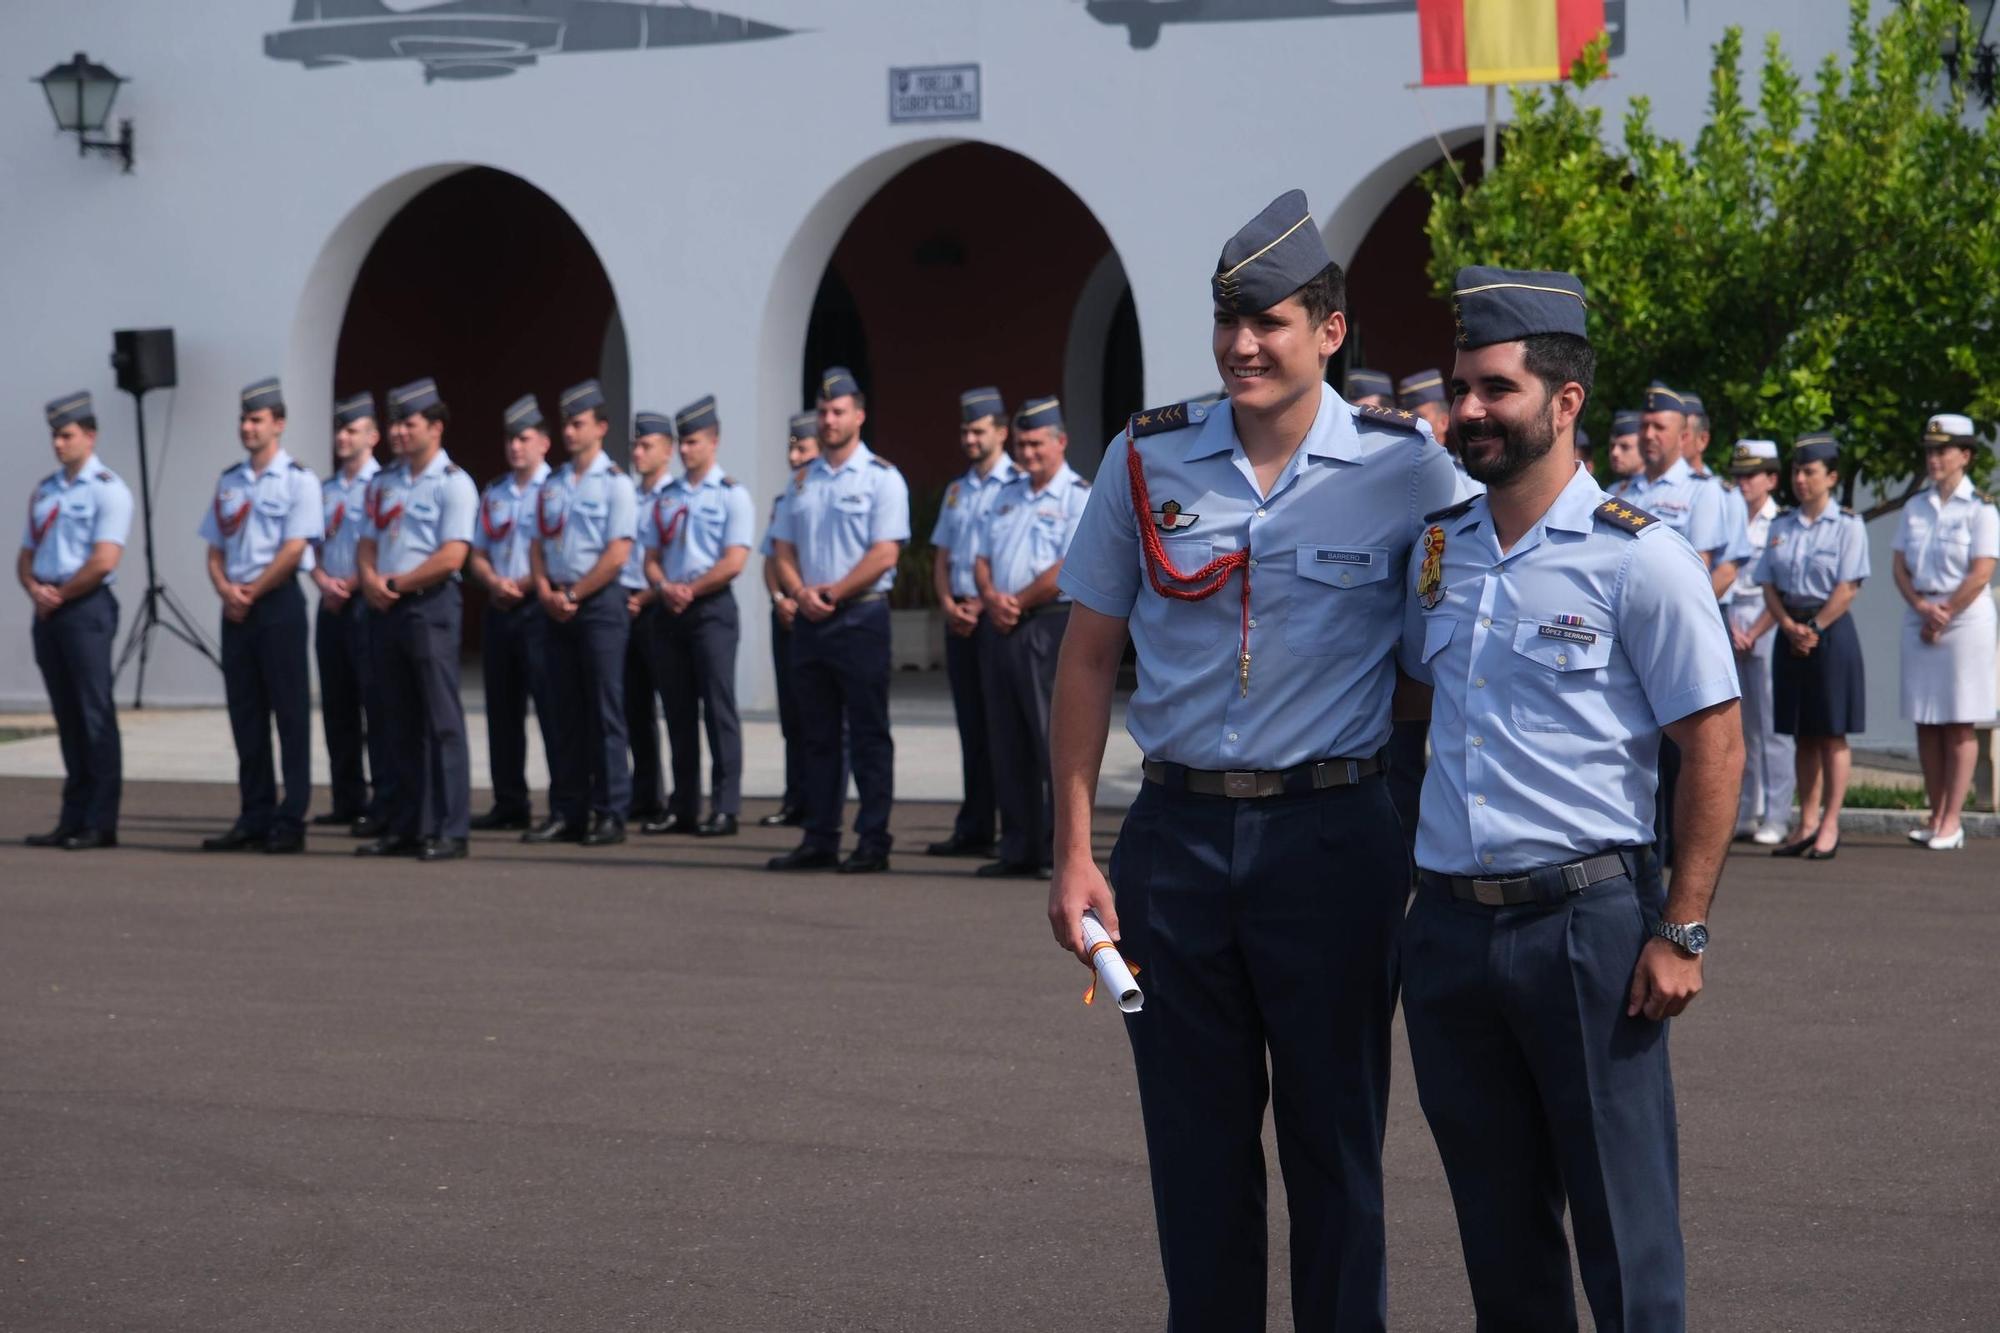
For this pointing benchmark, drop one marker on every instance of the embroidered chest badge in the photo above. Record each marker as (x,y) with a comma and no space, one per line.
(1430,578)
(1170,516)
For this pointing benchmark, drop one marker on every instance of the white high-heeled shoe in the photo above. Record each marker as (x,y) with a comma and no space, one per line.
(1921,834)
(1948,844)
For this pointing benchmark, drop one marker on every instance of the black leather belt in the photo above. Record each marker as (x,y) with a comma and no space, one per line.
(860,599)
(1806,609)
(1252,784)
(1544,884)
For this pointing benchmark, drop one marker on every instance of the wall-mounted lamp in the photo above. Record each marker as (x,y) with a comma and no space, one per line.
(81,93)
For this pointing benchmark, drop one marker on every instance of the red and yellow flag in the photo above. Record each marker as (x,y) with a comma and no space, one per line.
(1505,41)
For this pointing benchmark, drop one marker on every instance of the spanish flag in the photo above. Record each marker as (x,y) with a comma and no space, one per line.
(1505,41)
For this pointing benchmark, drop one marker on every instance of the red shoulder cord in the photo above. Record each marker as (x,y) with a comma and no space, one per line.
(670,529)
(339,517)
(372,502)
(40,529)
(226,522)
(542,515)
(1208,580)
(495,534)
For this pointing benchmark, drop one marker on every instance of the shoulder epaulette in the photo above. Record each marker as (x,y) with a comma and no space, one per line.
(1395,417)
(497,480)
(880,461)
(1627,518)
(1849,512)
(102,475)
(1450,511)
(728,481)
(1982,497)
(297,466)
(451,469)
(1160,420)
(226,471)
(1081,483)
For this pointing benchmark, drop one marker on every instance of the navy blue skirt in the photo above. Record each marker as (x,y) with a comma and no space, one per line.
(1824,693)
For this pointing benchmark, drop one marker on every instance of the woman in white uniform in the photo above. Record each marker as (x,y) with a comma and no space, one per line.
(1945,550)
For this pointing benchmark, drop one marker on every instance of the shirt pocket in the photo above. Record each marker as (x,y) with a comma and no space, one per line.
(1340,600)
(1182,626)
(1558,679)
(1437,636)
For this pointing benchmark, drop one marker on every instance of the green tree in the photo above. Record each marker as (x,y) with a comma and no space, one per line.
(1825,258)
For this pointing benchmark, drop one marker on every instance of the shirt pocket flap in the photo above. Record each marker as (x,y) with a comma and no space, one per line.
(273,506)
(1563,647)
(1187,555)
(1344,566)
(1437,633)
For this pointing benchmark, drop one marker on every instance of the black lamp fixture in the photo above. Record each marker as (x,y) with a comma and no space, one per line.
(81,93)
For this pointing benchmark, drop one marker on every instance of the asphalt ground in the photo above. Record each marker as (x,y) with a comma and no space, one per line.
(655,1087)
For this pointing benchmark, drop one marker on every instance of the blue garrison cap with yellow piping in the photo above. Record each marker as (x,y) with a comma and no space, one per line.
(262,394)
(1816,447)
(407,400)
(804,426)
(1426,386)
(580,398)
(1362,383)
(697,415)
(1659,398)
(652,423)
(1040,414)
(70,407)
(1502,305)
(1276,253)
(982,402)
(355,407)
(837,382)
(524,413)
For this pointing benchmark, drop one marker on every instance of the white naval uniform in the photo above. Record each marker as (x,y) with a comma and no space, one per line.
(1951,680)
(1769,775)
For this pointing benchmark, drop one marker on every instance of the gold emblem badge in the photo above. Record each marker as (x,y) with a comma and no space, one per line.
(1430,578)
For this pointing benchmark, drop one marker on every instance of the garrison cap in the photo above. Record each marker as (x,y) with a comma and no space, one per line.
(1040,414)
(1659,398)
(1754,456)
(805,426)
(70,407)
(1277,252)
(524,413)
(1818,447)
(264,393)
(652,423)
(1583,440)
(837,382)
(355,407)
(1625,421)
(1426,386)
(1361,382)
(984,402)
(697,415)
(1501,305)
(407,400)
(1951,428)
(1694,406)
(580,398)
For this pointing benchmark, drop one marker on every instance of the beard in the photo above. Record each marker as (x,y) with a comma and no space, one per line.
(1522,445)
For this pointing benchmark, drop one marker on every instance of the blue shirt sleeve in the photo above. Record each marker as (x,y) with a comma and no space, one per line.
(739,519)
(781,521)
(1437,481)
(114,513)
(208,531)
(941,531)
(1101,569)
(646,514)
(307,516)
(1853,566)
(892,509)
(622,510)
(1077,501)
(1736,519)
(1707,531)
(1669,630)
(458,509)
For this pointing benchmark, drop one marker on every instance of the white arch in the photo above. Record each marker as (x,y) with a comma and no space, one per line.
(1347,225)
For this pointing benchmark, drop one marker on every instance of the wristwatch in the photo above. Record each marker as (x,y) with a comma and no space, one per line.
(1813,625)
(1690,938)
(389,583)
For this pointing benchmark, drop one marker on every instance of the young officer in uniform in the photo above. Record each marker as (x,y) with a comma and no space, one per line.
(800,449)
(1019,545)
(514,639)
(1624,459)
(1423,393)
(1946,544)
(1369,388)
(1561,632)
(982,435)
(1766,804)
(259,529)
(1814,562)
(425,512)
(836,543)
(349,696)
(78,519)
(645,677)
(696,545)
(586,518)
(1254,550)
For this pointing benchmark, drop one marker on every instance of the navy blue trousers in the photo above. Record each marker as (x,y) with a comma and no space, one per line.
(350,705)
(419,640)
(73,649)
(645,691)
(1405,756)
(265,680)
(1265,929)
(840,669)
(965,667)
(1539,1090)
(1018,673)
(514,653)
(587,661)
(788,717)
(695,662)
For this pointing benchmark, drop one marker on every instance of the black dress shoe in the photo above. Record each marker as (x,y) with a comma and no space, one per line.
(784,816)
(957,846)
(554,829)
(368,826)
(442,849)
(1815,854)
(390,845)
(236,840)
(497,818)
(284,842)
(89,840)
(328,821)
(1798,848)
(671,821)
(716,826)
(865,863)
(53,838)
(805,858)
(1008,870)
(604,832)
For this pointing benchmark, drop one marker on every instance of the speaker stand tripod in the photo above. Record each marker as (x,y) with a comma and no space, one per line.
(159,609)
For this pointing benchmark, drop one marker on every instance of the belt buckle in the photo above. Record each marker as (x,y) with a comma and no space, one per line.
(1575,881)
(1488,893)
(1239,785)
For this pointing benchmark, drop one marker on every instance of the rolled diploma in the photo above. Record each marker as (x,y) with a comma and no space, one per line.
(1112,974)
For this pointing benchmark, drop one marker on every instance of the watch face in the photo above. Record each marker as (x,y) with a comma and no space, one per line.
(1697,938)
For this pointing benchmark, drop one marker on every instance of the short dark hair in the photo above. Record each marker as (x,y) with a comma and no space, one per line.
(1558,358)
(437,412)
(1325,295)
(86,423)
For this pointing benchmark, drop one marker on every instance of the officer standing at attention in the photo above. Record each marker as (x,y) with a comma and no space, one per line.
(1255,551)
(836,543)
(586,518)
(982,435)
(514,639)
(259,527)
(800,449)
(1624,459)
(349,696)
(1561,632)
(1369,388)
(78,519)
(1766,804)
(1814,562)
(1020,542)
(1738,551)
(697,544)
(645,677)
(425,513)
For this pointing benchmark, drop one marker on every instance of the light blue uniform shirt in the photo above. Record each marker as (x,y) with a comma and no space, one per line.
(836,514)
(1804,558)
(254,513)
(1025,532)
(507,523)
(966,503)
(1328,548)
(1689,504)
(1737,548)
(415,515)
(577,517)
(344,506)
(646,513)
(704,520)
(1553,668)
(67,518)
(771,527)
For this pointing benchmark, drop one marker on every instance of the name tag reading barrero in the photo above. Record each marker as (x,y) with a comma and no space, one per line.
(1326,557)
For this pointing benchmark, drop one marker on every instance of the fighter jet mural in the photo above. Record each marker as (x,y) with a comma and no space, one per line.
(1143,19)
(486,39)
